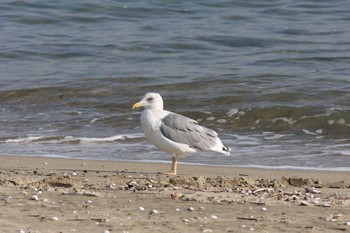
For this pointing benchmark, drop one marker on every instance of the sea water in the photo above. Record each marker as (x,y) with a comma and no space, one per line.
(271,77)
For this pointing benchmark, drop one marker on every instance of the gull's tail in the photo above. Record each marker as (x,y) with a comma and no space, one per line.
(226,150)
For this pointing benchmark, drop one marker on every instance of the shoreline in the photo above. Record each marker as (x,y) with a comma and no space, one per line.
(41,194)
(33,162)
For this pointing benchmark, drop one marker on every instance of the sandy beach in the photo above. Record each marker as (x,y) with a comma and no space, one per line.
(66,195)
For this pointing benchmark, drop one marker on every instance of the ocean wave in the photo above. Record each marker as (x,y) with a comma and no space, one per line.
(71,139)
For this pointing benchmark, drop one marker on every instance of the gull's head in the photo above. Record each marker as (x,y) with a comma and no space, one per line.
(150,101)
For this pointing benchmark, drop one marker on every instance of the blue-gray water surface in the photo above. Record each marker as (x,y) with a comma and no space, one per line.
(271,77)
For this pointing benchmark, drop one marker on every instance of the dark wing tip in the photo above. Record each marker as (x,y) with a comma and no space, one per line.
(226,148)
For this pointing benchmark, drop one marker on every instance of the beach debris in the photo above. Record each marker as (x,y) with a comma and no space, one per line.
(7,199)
(333,217)
(153,212)
(34,198)
(257,203)
(190,209)
(263,190)
(206,230)
(51,173)
(312,190)
(304,203)
(250,218)
(53,218)
(176,195)
(324,205)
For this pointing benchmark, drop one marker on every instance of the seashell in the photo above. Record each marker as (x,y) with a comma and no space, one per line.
(54,218)
(304,203)
(154,212)
(21,231)
(190,209)
(141,208)
(214,217)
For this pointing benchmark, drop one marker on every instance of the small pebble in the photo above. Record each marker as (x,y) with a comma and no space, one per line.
(252,229)
(141,208)
(347,223)
(21,231)
(54,218)
(304,203)
(207,230)
(154,212)
(34,198)
(74,173)
(264,209)
(7,199)
(214,217)
(177,209)
(190,209)
(106,231)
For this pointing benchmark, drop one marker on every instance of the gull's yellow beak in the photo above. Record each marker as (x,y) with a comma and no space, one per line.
(137,105)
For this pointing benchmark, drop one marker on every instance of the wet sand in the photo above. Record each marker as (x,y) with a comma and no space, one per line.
(66,195)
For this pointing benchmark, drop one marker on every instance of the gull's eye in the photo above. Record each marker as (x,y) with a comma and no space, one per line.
(149,99)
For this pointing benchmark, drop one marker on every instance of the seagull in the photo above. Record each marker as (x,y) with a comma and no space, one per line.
(175,134)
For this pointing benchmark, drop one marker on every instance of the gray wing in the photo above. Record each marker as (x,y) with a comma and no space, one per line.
(187,131)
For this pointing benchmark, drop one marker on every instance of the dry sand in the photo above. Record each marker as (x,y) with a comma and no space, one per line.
(65,195)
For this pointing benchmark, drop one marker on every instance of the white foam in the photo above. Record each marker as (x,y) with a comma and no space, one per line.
(52,139)
(309,132)
(24,140)
(287,120)
(232,112)
(112,138)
